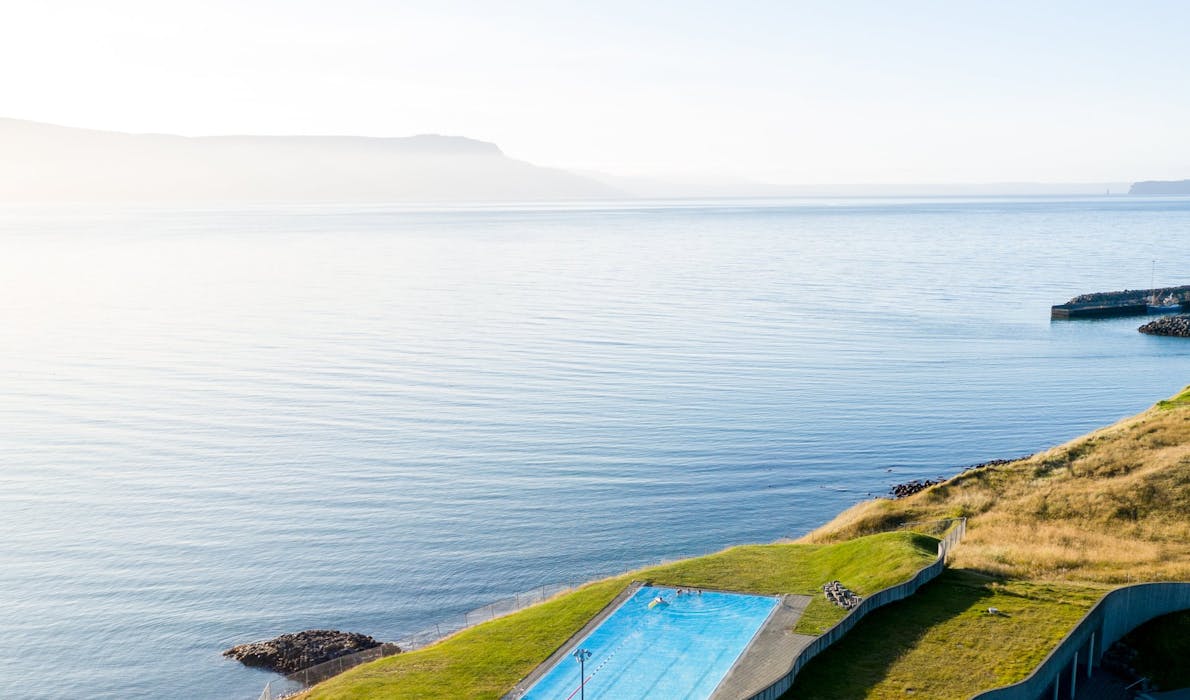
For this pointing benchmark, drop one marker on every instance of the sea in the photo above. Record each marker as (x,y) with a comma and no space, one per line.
(222,424)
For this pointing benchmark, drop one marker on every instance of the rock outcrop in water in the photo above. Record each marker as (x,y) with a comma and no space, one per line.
(294,652)
(1168,325)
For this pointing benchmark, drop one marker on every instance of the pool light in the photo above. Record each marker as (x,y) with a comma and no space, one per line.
(582,655)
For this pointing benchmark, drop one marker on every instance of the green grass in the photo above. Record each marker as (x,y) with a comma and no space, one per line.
(941,643)
(1164,646)
(487,660)
(482,662)
(1182,399)
(864,565)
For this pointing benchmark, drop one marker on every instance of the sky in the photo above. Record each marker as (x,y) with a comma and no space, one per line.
(791,92)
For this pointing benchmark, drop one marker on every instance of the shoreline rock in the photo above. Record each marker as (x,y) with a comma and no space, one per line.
(294,652)
(908,488)
(1176,326)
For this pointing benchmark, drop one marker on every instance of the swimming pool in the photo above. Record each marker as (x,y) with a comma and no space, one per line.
(681,648)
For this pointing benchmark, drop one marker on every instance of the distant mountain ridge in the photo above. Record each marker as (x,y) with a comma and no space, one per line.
(1160,187)
(48,163)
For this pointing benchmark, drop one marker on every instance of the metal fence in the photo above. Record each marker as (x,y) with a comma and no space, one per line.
(295,683)
(878,599)
(299,681)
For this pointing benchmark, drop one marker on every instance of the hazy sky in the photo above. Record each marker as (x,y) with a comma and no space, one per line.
(788,92)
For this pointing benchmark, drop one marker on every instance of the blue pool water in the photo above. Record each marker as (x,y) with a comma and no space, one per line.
(680,649)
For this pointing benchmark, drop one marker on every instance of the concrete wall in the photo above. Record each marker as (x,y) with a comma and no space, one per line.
(867,605)
(1116,614)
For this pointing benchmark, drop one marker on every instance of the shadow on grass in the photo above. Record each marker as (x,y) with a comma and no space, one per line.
(861,660)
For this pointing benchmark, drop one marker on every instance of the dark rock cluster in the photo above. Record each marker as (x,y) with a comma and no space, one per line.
(1168,325)
(294,652)
(838,594)
(917,485)
(995,463)
(911,487)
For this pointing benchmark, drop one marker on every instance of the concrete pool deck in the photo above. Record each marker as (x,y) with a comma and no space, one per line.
(770,654)
(544,667)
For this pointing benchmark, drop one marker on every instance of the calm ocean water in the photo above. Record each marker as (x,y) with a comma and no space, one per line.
(217,426)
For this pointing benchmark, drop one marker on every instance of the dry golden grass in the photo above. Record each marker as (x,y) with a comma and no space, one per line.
(1111,507)
(1046,537)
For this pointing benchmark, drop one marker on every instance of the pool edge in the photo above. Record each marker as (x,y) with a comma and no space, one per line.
(522,686)
(773,641)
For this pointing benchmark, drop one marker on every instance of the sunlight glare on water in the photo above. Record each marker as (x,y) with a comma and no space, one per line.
(222,425)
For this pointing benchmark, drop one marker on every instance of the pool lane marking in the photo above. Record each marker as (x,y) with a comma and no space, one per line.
(580,687)
(604,662)
(598,668)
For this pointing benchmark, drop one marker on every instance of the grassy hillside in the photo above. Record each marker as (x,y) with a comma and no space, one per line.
(1109,507)
(1046,537)
(487,660)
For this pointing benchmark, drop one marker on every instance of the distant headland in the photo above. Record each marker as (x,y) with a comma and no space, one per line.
(49,163)
(1161,187)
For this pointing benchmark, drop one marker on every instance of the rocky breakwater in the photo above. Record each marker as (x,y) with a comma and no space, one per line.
(294,652)
(1168,325)
(1134,296)
(1129,302)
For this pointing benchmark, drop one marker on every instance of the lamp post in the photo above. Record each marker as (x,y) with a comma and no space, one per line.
(582,655)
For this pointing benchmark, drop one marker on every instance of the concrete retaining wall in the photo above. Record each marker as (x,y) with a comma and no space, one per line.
(1116,614)
(867,605)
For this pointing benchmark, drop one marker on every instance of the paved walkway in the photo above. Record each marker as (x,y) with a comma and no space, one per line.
(770,654)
